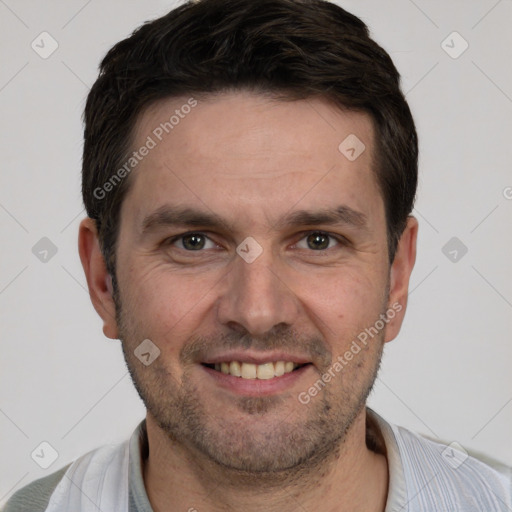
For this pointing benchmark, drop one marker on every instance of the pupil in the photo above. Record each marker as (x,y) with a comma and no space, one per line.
(193,242)
(318,241)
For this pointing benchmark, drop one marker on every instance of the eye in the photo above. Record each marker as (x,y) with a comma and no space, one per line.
(319,241)
(192,242)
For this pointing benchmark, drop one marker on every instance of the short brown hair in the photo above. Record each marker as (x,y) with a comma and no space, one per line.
(295,49)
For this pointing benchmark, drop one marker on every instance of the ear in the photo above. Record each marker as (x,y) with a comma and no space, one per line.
(400,273)
(99,280)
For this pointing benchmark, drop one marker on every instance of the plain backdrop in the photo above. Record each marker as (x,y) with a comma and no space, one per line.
(448,373)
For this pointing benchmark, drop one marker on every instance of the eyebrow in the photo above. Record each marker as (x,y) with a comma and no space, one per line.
(168,215)
(181,216)
(341,215)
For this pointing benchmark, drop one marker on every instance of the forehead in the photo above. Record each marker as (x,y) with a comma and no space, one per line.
(252,155)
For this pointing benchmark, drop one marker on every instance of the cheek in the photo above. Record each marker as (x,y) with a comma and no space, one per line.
(343,302)
(163,303)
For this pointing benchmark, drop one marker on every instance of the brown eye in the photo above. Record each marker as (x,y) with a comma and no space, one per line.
(193,241)
(318,241)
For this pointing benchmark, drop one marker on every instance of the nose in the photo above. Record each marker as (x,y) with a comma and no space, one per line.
(257,297)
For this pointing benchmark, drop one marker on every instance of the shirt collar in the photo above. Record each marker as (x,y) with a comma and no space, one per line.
(397,492)
(379,437)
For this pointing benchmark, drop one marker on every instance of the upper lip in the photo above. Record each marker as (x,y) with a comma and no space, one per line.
(245,356)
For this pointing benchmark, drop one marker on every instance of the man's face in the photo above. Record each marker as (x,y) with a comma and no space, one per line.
(252,164)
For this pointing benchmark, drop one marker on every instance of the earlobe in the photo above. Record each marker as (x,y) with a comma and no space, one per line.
(400,274)
(99,280)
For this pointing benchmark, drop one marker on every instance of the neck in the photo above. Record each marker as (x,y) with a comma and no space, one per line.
(353,479)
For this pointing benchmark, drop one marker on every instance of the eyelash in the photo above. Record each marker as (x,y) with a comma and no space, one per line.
(342,241)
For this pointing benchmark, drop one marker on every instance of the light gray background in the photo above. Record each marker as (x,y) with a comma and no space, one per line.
(447,375)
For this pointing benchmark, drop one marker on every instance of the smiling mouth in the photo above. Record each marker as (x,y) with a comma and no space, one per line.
(255,371)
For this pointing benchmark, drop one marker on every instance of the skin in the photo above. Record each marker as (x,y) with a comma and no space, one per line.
(252,160)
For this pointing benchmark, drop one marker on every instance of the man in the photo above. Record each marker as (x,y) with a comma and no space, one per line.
(249,172)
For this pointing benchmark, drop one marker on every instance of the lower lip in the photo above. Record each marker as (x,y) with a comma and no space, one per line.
(257,387)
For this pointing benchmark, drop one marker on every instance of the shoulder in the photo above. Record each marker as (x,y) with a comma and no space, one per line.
(451,473)
(35,496)
(427,474)
(102,473)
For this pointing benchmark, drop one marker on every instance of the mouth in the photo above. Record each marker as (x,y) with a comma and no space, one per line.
(252,371)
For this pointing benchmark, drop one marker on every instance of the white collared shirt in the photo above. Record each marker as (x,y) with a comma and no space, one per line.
(424,476)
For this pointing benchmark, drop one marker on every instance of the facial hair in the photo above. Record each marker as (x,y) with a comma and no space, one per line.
(274,437)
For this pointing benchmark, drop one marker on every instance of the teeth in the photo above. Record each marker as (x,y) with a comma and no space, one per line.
(248,371)
(279,368)
(265,371)
(288,367)
(235,369)
(256,371)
